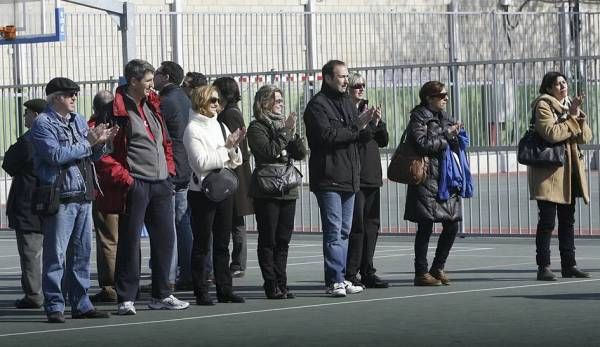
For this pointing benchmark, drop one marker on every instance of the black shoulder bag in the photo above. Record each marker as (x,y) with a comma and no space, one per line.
(46,198)
(534,151)
(219,184)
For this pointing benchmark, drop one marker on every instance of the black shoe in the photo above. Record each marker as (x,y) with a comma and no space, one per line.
(204,300)
(105,295)
(545,274)
(91,314)
(230,297)
(286,293)
(26,303)
(573,271)
(374,281)
(56,317)
(272,291)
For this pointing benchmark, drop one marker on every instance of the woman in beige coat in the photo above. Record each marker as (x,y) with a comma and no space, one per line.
(559,119)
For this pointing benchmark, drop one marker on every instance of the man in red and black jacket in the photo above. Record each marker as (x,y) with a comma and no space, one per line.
(136,184)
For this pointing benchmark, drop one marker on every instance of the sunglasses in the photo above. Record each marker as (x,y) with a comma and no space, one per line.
(358,86)
(214,100)
(70,94)
(440,95)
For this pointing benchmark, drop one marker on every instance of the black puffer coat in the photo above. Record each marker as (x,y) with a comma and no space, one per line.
(427,132)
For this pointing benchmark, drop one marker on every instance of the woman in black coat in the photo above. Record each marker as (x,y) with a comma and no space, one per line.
(430,131)
(273,140)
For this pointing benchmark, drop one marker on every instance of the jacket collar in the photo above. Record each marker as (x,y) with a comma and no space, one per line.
(120,106)
(168,89)
(200,118)
(330,92)
(559,107)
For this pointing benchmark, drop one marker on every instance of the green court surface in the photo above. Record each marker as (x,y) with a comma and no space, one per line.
(493,300)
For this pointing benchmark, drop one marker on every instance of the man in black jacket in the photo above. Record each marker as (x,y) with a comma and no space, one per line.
(332,129)
(18,163)
(175,106)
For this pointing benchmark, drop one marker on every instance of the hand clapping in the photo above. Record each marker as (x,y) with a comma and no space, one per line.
(235,138)
(101,134)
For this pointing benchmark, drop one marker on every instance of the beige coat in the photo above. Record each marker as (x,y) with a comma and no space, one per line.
(557,184)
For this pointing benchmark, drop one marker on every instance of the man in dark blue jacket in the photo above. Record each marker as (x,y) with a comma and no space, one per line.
(332,129)
(175,107)
(18,162)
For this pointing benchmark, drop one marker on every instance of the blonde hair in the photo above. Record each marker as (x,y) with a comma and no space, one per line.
(200,98)
(355,78)
(264,100)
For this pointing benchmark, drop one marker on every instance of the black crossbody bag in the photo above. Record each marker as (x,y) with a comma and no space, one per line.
(219,184)
(46,198)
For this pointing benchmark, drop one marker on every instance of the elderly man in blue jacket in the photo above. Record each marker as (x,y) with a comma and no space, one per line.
(63,150)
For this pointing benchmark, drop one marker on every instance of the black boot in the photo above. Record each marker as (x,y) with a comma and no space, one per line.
(545,274)
(573,271)
(228,296)
(272,291)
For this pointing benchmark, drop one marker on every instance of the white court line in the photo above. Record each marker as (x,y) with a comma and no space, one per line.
(243,313)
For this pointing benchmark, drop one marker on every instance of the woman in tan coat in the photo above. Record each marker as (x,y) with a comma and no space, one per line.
(558,119)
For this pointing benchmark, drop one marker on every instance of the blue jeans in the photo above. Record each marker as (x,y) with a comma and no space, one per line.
(67,240)
(336,210)
(185,237)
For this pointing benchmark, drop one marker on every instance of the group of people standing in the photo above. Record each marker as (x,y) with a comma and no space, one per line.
(142,158)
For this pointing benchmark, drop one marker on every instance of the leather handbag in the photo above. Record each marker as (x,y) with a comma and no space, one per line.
(536,152)
(221,183)
(407,166)
(277,178)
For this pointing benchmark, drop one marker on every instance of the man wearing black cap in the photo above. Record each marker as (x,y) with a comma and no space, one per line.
(18,163)
(63,150)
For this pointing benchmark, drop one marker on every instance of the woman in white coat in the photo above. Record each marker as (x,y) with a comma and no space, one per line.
(210,146)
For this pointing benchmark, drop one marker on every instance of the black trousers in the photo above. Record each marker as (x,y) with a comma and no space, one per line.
(209,217)
(275,223)
(547,213)
(364,232)
(445,242)
(239,252)
(149,203)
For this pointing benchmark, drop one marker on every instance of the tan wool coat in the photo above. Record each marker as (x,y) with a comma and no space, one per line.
(560,185)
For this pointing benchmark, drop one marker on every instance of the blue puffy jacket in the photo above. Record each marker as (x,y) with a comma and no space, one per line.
(456,176)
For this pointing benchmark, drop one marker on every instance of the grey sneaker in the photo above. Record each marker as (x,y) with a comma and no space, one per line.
(337,290)
(168,303)
(126,308)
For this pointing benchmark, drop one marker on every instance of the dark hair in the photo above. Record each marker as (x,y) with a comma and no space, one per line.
(327,69)
(228,89)
(174,71)
(101,99)
(429,89)
(137,68)
(548,81)
(197,79)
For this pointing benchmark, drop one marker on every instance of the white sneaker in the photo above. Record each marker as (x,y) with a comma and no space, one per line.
(168,303)
(351,288)
(126,308)
(337,290)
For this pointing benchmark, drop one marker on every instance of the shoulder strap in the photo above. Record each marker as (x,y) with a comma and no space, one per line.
(223,131)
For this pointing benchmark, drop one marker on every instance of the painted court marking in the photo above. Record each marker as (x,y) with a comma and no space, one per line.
(243,313)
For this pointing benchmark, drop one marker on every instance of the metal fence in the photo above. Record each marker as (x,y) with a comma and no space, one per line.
(492,62)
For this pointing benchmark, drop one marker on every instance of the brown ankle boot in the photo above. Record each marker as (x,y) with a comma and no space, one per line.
(440,275)
(426,280)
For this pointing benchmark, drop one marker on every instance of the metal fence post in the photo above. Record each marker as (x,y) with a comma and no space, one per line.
(565,46)
(309,43)
(176,7)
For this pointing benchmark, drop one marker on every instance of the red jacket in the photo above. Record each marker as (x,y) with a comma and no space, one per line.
(112,169)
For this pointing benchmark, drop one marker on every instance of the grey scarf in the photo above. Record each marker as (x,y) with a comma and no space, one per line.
(278,120)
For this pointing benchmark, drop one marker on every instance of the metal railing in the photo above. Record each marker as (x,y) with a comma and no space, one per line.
(492,63)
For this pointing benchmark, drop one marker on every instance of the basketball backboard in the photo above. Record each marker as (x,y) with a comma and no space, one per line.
(31,21)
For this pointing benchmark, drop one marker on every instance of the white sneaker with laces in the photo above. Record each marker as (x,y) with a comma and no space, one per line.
(168,303)
(126,308)
(351,288)
(337,290)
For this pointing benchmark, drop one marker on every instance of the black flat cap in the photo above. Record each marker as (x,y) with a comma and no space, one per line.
(61,84)
(36,105)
